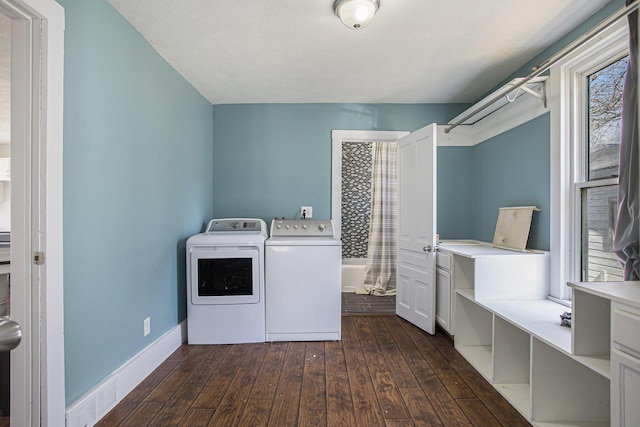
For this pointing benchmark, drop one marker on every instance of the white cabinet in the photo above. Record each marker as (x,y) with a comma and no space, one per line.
(625,389)
(625,366)
(443,291)
(491,273)
(606,321)
(443,298)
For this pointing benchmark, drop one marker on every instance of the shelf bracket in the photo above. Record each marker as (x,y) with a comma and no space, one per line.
(542,95)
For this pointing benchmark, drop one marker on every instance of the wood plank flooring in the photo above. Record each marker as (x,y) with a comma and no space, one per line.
(384,372)
(367,304)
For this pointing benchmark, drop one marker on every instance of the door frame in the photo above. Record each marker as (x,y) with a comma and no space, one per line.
(337,138)
(36,210)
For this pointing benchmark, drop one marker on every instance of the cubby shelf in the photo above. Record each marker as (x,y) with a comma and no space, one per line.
(521,349)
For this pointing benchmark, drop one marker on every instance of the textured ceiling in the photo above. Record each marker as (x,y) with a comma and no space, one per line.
(414,51)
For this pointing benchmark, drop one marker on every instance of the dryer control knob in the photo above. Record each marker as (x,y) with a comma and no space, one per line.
(287,226)
(321,227)
(305,226)
(279,226)
(295,226)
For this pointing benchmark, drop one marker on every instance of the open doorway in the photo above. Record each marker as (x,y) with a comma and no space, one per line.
(32,122)
(356,211)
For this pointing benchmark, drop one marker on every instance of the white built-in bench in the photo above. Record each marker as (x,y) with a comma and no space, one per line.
(504,325)
(521,349)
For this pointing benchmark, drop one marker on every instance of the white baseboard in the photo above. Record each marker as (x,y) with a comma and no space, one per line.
(97,402)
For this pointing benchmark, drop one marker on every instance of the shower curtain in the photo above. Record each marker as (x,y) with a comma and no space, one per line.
(627,234)
(380,272)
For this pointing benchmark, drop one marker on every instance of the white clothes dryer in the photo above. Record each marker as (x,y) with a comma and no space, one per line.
(225,282)
(304,281)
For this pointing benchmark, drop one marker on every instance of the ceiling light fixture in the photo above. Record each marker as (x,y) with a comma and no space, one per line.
(356,14)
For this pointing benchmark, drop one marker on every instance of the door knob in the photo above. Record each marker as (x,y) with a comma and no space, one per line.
(427,248)
(10,334)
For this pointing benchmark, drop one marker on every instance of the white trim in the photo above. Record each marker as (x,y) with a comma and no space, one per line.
(48,99)
(104,396)
(461,136)
(520,111)
(567,165)
(337,138)
(40,205)
(25,367)
(52,341)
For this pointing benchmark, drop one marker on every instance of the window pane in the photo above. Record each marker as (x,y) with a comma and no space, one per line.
(605,110)
(599,213)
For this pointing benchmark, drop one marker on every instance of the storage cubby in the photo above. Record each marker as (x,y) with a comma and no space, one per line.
(520,347)
(490,273)
(566,392)
(512,363)
(591,330)
(474,341)
(463,268)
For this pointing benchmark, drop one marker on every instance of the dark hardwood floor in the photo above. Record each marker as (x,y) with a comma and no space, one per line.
(367,304)
(384,372)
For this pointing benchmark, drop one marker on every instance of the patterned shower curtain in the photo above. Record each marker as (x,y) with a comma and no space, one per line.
(380,277)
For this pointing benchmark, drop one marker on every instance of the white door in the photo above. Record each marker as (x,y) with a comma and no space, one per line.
(36,63)
(415,300)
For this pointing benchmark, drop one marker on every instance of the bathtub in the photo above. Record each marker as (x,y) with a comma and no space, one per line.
(353,274)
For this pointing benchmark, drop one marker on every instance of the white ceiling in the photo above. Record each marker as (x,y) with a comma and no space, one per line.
(298,51)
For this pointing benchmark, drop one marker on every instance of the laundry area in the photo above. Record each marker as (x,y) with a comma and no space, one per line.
(243,287)
(340,212)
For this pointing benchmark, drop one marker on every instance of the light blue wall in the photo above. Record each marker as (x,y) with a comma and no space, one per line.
(525,150)
(270,159)
(455,178)
(137,182)
(513,169)
(141,174)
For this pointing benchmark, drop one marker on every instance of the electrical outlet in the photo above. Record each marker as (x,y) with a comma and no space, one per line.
(306,212)
(147,326)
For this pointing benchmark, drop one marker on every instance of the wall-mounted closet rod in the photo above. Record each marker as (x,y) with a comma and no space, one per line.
(546,65)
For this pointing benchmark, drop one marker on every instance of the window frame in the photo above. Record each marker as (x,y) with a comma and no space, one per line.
(568,95)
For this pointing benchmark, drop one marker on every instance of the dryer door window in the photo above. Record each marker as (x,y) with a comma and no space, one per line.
(225,275)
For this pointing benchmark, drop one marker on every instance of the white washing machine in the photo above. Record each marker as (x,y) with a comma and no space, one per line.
(225,282)
(303,280)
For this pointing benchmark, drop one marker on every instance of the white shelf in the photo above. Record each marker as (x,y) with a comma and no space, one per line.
(480,358)
(519,395)
(467,293)
(521,349)
(623,292)
(540,318)
(487,106)
(601,365)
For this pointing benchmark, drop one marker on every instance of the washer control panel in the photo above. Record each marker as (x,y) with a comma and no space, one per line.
(235,224)
(302,228)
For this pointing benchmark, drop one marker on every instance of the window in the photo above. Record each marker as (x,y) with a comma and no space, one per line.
(585,93)
(598,187)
